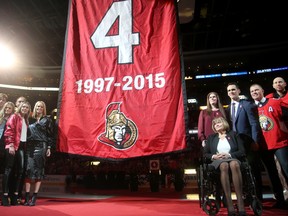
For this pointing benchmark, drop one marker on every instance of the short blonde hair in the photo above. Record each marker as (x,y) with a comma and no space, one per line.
(222,120)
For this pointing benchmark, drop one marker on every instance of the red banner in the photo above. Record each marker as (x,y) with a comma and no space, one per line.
(121,93)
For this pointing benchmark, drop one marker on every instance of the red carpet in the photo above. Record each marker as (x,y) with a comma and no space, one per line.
(130,204)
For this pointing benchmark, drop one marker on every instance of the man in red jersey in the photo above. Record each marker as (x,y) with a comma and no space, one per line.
(279,84)
(271,117)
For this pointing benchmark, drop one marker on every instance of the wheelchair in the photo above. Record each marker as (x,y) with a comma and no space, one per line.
(209,186)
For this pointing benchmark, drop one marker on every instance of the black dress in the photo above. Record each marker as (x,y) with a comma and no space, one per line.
(40,137)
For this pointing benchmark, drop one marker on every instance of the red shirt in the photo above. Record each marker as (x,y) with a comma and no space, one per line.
(205,123)
(13,130)
(271,121)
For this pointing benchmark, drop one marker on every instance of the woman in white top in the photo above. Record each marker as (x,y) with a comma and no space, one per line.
(225,150)
(15,136)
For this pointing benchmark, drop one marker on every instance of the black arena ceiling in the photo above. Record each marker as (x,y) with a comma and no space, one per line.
(215,34)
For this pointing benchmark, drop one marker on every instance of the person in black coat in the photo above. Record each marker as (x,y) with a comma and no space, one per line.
(225,150)
(39,142)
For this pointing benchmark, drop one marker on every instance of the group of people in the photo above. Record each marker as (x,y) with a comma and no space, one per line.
(256,129)
(26,139)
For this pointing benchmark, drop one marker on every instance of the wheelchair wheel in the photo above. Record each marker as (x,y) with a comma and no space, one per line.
(200,186)
(211,207)
(256,206)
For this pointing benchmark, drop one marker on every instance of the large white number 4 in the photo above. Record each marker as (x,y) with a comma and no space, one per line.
(126,39)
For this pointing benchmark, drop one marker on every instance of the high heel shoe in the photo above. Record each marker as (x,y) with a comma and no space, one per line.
(26,202)
(14,200)
(5,200)
(33,200)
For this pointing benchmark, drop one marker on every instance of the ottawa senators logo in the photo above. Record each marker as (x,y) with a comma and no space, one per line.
(266,123)
(121,132)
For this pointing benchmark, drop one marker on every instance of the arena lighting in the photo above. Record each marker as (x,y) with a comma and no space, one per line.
(7,57)
(190,171)
(271,70)
(203,107)
(192,100)
(94,163)
(240,73)
(225,105)
(54,113)
(207,76)
(29,88)
(235,74)
(193,131)
(188,78)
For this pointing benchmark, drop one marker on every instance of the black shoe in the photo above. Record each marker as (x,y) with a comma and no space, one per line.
(26,202)
(5,200)
(33,200)
(14,200)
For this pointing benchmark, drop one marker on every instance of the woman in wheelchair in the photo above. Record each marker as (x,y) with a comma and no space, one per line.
(224,150)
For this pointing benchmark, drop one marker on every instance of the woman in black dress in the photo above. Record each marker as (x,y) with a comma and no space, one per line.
(225,150)
(39,141)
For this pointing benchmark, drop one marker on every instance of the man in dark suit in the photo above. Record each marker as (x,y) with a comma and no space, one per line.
(245,121)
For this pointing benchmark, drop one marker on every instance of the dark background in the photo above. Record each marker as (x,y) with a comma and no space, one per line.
(216,37)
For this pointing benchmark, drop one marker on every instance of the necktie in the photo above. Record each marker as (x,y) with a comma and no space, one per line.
(233,116)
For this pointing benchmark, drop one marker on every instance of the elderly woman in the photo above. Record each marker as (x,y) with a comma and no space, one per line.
(225,149)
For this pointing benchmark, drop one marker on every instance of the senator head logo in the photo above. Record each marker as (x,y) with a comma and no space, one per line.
(121,132)
(266,123)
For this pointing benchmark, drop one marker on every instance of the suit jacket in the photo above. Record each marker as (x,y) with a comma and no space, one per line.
(236,143)
(247,120)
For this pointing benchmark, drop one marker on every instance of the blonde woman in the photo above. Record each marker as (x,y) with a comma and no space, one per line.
(5,113)
(40,139)
(225,150)
(15,136)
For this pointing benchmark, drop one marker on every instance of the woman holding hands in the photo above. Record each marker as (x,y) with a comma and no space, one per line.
(225,150)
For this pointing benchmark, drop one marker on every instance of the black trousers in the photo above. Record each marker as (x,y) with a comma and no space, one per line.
(269,162)
(254,161)
(13,164)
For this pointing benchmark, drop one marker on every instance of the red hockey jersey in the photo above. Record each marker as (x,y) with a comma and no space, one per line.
(272,123)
